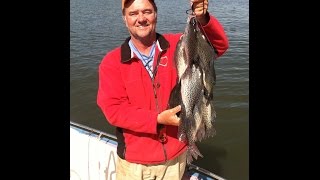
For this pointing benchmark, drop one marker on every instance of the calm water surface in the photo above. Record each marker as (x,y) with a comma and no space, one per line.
(96,27)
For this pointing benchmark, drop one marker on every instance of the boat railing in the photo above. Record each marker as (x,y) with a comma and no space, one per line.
(94,131)
(101,134)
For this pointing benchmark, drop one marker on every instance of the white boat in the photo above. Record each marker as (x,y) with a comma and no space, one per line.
(93,156)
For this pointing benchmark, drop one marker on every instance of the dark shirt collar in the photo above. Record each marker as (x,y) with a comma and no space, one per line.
(126,51)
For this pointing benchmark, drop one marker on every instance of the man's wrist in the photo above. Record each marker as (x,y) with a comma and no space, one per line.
(204,19)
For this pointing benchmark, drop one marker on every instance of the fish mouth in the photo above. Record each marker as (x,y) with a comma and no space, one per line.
(193,24)
(192,19)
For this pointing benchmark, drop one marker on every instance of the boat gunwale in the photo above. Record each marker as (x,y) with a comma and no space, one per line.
(101,134)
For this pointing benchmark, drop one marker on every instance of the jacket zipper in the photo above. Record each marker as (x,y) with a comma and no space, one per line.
(165,152)
(156,98)
(154,86)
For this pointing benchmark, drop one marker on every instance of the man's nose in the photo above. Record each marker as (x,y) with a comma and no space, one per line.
(141,17)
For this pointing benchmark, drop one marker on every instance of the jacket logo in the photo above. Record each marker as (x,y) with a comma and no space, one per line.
(163,61)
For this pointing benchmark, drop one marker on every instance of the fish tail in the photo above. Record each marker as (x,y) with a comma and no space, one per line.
(193,153)
(189,158)
(211,132)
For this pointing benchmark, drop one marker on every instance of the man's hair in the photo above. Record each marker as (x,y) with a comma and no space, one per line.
(124,2)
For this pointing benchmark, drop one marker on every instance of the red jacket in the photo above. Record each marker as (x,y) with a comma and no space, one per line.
(129,98)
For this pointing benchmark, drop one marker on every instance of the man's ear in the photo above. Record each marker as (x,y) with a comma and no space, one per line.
(155,16)
(124,20)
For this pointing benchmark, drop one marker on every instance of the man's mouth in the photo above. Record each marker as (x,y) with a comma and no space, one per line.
(143,26)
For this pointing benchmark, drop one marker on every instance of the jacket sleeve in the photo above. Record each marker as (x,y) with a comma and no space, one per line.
(217,36)
(114,103)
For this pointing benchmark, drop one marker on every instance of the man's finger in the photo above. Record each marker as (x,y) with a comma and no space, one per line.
(177,109)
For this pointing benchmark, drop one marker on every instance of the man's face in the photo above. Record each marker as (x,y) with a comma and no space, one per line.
(140,19)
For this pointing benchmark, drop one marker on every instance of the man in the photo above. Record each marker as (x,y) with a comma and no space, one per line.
(135,81)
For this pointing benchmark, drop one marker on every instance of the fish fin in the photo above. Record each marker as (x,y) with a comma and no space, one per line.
(189,158)
(201,134)
(193,153)
(182,136)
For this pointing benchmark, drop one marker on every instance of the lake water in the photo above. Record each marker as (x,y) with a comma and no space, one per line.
(96,27)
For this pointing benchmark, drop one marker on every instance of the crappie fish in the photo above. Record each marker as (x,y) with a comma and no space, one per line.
(194,58)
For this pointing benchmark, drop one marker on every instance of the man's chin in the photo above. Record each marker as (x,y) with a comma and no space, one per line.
(144,35)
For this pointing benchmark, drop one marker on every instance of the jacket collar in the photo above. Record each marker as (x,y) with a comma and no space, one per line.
(126,51)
